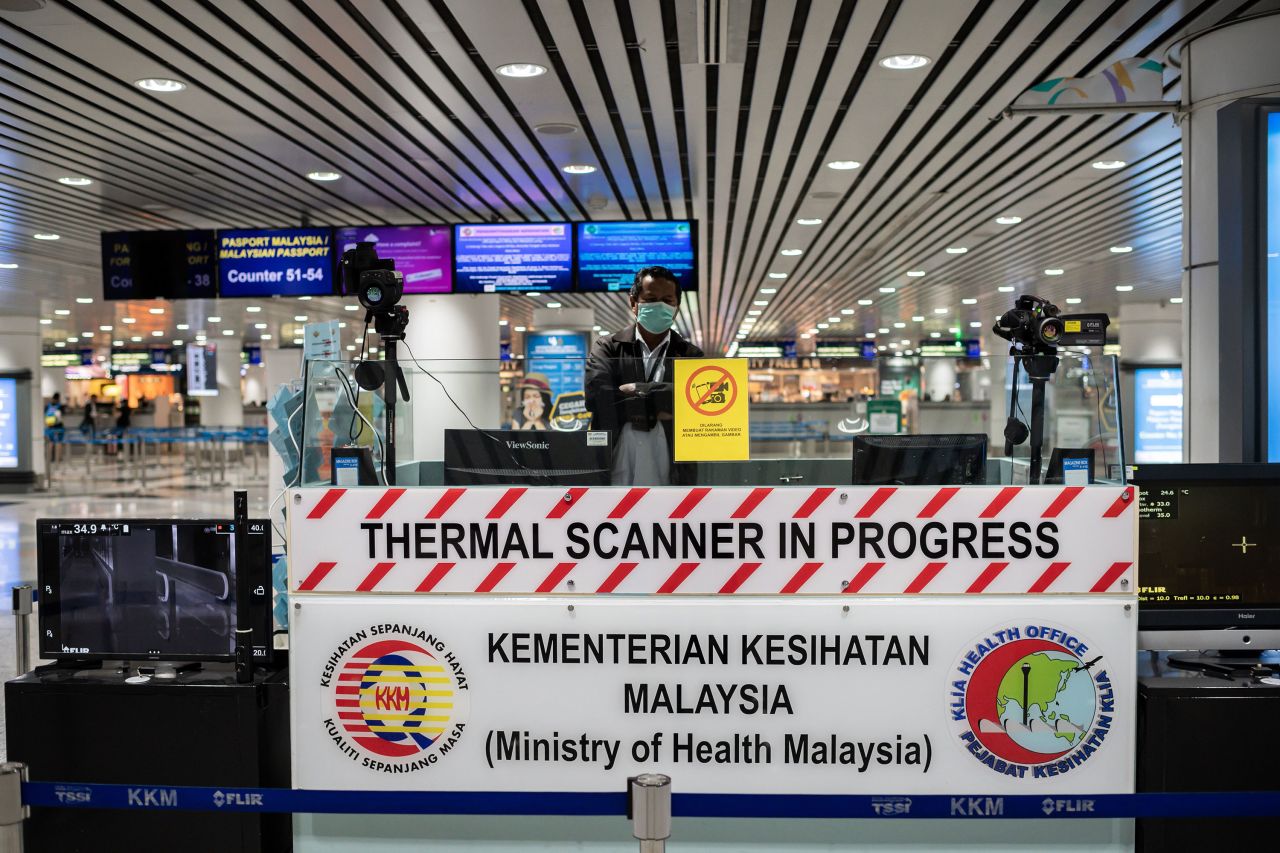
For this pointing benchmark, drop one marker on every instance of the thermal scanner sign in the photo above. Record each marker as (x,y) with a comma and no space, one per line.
(711,419)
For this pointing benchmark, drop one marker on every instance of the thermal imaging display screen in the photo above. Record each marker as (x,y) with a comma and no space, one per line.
(423,253)
(142,590)
(504,258)
(289,262)
(610,253)
(1208,544)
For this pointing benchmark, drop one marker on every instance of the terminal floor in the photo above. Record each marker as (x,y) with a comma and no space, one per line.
(109,492)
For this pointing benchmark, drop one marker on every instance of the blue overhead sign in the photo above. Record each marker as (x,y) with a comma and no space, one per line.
(288,262)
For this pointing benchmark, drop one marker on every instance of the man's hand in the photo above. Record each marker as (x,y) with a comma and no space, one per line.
(628,389)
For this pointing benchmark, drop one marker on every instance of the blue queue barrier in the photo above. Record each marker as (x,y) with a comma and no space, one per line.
(896,807)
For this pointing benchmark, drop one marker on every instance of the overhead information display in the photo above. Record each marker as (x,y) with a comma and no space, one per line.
(289,262)
(158,265)
(501,258)
(423,253)
(610,253)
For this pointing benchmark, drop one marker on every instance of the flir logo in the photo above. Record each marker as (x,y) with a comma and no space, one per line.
(235,798)
(153,798)
(1051,806)
(977,806)
(73,796)
(891,806)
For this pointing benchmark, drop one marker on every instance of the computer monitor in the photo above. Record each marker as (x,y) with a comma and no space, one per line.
(151,589)
(919,460)
(526,457)
(1208,569)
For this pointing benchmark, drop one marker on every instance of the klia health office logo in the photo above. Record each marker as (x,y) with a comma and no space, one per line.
(1031,701)
(400,698)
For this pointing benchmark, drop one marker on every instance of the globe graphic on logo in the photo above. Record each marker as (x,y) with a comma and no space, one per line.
(1030,701)
(1060,702)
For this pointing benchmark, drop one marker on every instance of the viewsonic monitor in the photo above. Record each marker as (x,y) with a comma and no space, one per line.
(919,460)
(151,589)
(526,457)
(1208,556)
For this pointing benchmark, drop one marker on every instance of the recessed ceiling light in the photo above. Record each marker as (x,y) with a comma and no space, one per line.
(883,331)
(823,326)
(157,334)
(917,318)
(553,304)
(882,348)
(45,321)
(777,275)
(260,325)
(1008,220)
(904,61)
(521,69)
(106,328)
(1121,250)
(117,343)
(847,311)
(520,328)
(177,342)
(342,325)
(62,312)
(155,310)
(1124,288)
(935,334)
(968,302)
(215,319)
(128,320)
(75,181)
(915,273)
(754,312)
(556,128)
(1005,289)
(578,169)
(813,331)
(808,221)
(46,236)
(761,302)
(1175,300)
(59,343)
(888,290)
(84,300)
(791,253)
(324,176)
(1073,300)
(304,298)
(975,324)
(86,334)
(956,250)
(228,331)
(1107,165)
(182,327)
(253,309)
(899,325)
(264,336)
(805,336)
(939,310)
(768,291)
(1053,272)
(301,318)
(844,165)
(160,84)
(866,302)
(297,341)
(8,266)
(350,307)
(137,339)
(871,334)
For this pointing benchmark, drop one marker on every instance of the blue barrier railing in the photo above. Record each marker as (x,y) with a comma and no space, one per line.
(918,806)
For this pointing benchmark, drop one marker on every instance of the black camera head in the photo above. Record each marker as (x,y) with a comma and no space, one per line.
(357,261)
(1034,323)
(380,290)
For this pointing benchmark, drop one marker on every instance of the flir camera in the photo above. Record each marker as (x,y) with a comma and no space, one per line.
(1038,326)
(372,280)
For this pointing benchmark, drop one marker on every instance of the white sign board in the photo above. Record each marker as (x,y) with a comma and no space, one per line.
(812,695)
(868,540)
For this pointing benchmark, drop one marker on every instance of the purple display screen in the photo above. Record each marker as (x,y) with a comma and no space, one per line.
(423,253)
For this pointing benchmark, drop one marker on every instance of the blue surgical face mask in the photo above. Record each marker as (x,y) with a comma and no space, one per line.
(655,317)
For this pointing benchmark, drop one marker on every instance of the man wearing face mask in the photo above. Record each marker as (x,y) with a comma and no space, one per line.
(629,391)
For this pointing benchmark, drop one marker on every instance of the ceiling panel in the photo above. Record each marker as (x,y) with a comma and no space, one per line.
(402,98)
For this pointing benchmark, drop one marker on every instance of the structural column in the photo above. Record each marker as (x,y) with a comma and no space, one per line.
(1218,67)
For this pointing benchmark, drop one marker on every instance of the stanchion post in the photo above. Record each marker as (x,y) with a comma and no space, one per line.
(650,800)
(23,596)
(12,811)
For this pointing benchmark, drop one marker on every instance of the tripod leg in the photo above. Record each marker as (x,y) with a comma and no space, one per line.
(1037,428)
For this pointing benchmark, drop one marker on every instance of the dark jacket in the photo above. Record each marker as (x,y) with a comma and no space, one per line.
(619,359)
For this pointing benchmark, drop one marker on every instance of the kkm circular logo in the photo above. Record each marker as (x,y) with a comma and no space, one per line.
(399,698)
(1031,701)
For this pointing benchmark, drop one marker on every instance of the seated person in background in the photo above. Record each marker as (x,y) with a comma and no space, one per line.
(533,395)
(629,391)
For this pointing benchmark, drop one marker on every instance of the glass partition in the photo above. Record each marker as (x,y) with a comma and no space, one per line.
(908,420)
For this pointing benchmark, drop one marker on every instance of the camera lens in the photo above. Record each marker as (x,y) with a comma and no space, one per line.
(1051,330)
(373,295)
